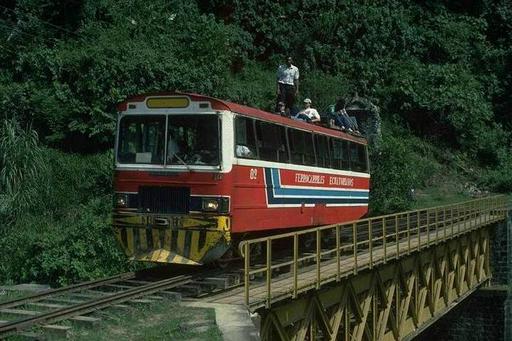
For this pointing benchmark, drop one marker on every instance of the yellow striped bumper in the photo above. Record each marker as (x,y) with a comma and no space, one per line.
(182,239)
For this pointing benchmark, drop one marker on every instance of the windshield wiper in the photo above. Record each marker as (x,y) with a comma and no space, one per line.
(183,162)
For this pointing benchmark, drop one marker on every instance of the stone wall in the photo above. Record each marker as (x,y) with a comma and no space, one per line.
(500,254)
(479,317)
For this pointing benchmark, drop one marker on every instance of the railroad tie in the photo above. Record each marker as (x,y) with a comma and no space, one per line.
(47,305)
(85,320)
(175,296)
(56,330)
(141,300)
(78,318)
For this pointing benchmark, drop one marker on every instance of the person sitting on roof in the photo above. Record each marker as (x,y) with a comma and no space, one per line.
(345,122)
(340,118)
(282,110)
(308,114)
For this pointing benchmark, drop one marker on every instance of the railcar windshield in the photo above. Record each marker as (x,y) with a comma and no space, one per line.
(193,140)
(142,139)
(169,140)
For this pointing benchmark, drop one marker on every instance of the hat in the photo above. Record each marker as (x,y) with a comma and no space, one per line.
(280,103)
(307,100)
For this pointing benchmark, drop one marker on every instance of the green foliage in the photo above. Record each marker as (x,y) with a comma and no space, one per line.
(499,179)
(23,169)
(255,86)
(70,89)
(438,66)
(61,250)
(403,163)
(446,97)
(251,87)
(439,70)
(55,213)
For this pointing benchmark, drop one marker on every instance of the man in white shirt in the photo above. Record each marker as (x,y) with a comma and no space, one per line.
(308,114)
(287,83)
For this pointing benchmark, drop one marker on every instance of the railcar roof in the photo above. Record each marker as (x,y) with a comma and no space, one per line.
(219,104)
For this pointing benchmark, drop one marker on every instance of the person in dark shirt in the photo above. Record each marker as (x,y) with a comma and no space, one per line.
(282,110)
(342,119)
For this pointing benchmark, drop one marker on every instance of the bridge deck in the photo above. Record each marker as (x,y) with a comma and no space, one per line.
(329,270)
(380,278)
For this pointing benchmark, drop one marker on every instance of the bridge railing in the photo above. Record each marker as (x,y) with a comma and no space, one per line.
(288,264)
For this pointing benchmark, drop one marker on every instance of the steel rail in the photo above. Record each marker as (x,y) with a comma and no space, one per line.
(80,286)
(93,305)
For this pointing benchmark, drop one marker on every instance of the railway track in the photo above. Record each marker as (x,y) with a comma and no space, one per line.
(69,289)
(75,302)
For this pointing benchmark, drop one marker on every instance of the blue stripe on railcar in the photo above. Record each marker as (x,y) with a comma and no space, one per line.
(278,195)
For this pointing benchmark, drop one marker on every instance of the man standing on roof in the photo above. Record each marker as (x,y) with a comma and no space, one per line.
(287,83)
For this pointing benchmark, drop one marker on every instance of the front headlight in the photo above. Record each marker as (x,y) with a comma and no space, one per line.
(220,205)
(210,205)
(121,200)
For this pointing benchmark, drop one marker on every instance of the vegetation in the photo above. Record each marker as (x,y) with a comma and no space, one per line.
(151,322)
(55,212)
(439,71)
(140,321)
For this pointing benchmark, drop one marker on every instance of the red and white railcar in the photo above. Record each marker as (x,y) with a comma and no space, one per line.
(195,174)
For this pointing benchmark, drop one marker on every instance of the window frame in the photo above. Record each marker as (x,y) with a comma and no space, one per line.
(165,165)
(141,117)
(327,138)
(345,145)
(254,136)
(277,128)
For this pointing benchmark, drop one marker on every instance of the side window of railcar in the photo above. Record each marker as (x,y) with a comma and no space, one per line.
(346,154)
(337,154)
(340,154)
(271,142)
(245,138)
(322,151)
(358,157)
(301,147)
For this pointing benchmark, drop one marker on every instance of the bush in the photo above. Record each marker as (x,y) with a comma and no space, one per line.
(255,86)
(23,170)
(402,163)
(78,246)
(69,89)
(499,179)
(55,210)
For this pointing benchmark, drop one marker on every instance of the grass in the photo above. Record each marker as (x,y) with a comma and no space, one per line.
(431,197)
(443,188)
(8,295)
(162,320)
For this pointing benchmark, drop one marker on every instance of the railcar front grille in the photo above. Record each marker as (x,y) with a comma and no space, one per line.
(154,199)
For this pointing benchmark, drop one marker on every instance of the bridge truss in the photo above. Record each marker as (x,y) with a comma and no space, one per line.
(386,278)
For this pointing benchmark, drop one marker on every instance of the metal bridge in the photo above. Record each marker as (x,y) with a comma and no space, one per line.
(381,278)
